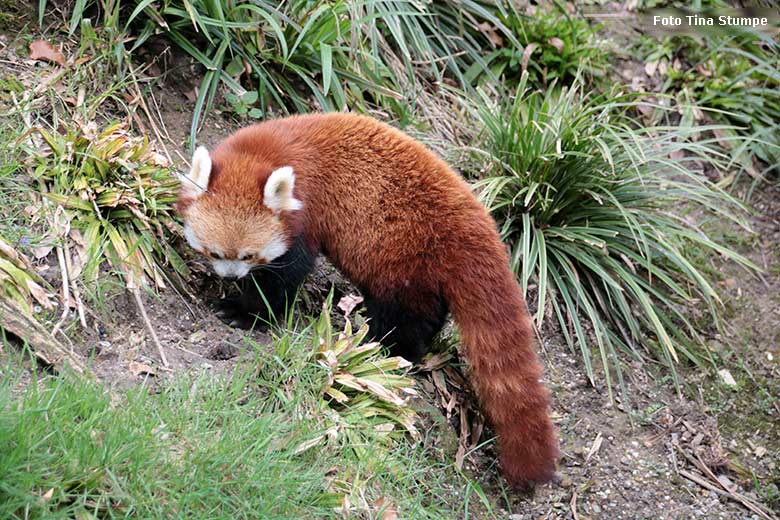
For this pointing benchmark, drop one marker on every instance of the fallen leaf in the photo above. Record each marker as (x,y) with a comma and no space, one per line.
(47,496)
(491,33)
(44,51)
(557,43)
(389,512)
(137,369)
(651,67)
(529,49)
(348,303)
(40,294)
(41,251)
(594,447)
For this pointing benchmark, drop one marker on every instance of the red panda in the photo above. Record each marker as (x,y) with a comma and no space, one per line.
(399,224)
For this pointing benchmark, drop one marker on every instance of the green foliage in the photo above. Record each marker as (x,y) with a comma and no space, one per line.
(117,193)
(360,380)
(730,80)
(551,45)
(299,54)
(19,282)
(304,54)
(590,205)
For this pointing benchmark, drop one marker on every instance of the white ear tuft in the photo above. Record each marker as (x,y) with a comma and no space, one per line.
(278,192)
(195,183)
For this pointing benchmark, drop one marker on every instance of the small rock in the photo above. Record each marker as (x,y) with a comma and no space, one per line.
(724,480)
(726,377)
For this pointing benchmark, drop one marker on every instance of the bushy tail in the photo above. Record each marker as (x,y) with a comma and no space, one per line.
(495,328)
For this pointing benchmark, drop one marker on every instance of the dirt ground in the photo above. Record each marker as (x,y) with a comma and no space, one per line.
(688,455)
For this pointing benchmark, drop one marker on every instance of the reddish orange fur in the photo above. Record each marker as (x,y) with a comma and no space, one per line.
(395,219)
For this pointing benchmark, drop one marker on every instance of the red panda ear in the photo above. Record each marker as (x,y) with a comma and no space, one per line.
(194,183)
(278,192)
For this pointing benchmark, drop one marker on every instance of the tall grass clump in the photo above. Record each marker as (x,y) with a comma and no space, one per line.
(296,56)
(595,210)
(110,197)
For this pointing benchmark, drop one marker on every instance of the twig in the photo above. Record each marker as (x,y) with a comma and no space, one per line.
(137,295)
(65,291)
(726,491)
(705,484)
(573,505)
(74,286)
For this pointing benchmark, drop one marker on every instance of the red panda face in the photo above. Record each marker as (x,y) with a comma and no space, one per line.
(235,227)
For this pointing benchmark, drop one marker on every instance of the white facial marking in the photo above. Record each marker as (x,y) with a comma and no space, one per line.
(189,234)
(231,268)
(278,192)
(197,180)
(275,248)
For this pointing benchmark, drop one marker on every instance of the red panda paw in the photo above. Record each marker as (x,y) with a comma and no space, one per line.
(232,312)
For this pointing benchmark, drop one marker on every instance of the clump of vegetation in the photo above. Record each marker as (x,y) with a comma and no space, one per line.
(731,80)
(360,379)
(583,196)
(552,46)
(118,197)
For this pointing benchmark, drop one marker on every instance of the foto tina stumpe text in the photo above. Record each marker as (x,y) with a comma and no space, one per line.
(696,20)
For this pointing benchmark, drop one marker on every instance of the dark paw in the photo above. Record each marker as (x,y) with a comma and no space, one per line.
(233,313)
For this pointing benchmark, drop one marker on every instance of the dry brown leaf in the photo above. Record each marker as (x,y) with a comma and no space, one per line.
(389,512)
(651,67)
(435,362)
(40,294)
(594,447)
(348,303)
(703,70)
(529,49)
(44,51)
(557,43)
(137,369)
(491,33)
(42,251)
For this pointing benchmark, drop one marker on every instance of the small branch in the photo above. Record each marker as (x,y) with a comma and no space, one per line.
(573,506)
(65,290)
(139,302)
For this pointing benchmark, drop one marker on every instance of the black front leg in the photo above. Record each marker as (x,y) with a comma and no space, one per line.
(268,291)
(407,332)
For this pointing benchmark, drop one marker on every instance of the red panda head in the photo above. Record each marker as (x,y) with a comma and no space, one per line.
(233,212)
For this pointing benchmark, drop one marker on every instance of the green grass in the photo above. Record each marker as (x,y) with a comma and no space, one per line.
(261,442)
(595,211)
